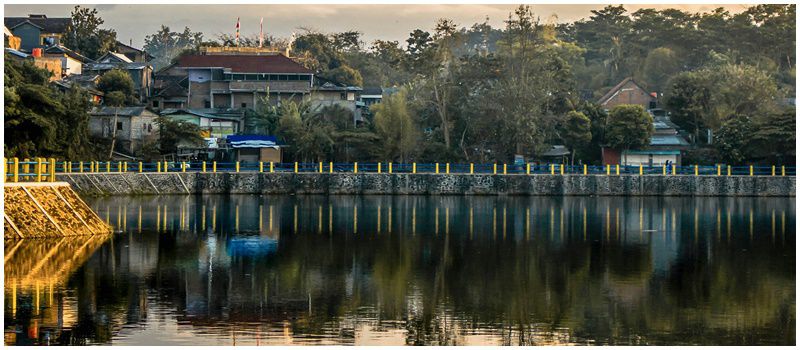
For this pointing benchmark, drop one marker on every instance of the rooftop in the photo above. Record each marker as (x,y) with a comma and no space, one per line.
(47,25)
(245,63)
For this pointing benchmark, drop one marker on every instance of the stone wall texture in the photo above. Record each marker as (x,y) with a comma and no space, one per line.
(101,184)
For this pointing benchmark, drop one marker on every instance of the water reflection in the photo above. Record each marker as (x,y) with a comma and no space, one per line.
(251,270)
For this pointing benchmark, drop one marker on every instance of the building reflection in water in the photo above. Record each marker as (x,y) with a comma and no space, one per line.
(252,270)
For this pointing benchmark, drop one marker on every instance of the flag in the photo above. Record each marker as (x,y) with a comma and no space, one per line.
(237,31)
(261,35)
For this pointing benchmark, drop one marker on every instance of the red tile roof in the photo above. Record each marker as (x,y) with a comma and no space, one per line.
(245,63)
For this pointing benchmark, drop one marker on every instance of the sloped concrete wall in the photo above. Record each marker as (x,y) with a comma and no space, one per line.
(428,184)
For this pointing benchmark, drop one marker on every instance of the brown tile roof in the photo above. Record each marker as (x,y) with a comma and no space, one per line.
(616,88)
(245,63)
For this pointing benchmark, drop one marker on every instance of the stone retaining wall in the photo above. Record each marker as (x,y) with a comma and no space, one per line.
(100,184)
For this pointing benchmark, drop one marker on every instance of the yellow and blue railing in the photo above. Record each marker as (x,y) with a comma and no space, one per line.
(41,169)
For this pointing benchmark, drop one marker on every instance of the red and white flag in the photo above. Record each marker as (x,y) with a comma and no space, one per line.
(237,31)
(261,34)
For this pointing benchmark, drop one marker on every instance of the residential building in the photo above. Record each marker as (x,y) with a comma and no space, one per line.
(11,41)
(371,96)
(53,65)
(140,72)
(240,81)
(170,88)
(212,123)
(628,91)
(328,93)
(37,30)
(86,82)
(666,144)
(135,126)
(71,61)
(132,53)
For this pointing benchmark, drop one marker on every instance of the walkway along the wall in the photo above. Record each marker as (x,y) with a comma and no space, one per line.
(100,184)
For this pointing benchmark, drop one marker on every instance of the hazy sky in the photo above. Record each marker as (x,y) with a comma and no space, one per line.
(391,22)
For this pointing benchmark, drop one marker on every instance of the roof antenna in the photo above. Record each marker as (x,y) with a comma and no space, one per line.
(130,42)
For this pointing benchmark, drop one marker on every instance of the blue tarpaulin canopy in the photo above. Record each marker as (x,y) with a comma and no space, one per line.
(252,141)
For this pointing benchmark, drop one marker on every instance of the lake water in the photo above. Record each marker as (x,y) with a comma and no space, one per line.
(394,270)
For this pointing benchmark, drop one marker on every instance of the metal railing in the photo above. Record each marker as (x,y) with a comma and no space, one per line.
(41,169)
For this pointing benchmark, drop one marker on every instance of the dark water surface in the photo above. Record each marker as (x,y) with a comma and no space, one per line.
(250,270)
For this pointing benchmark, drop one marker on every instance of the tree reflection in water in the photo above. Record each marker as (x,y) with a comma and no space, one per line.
(250,270)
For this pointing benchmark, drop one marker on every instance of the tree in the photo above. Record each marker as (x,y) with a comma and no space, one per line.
(395,126)
(733,140)
(775,137)
(629,127)
(85,36)
(166,45)
(576,132)
(345,75)
(688,99)
(659,66)
(115,99)
(117,80)
(172,134)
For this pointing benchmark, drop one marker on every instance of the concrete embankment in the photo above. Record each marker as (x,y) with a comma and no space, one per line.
(101,184)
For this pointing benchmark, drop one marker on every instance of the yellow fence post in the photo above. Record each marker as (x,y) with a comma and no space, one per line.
(379,167)
(505,168)
(471,168)
(108,166)
(729,170)
(773,170)
(80,167)
(719,170)
(413,168)
(495,168)
(585,169)
(617,169)
(528,169)
(52,167)
(437,168)
(140,166)
(552,169)
(183,167)
(15,169)
(272,167)
(158,167)
(237,166)
(119,166)
(664,169)
(64,170)
(673,169)
(608,169)
(214,166)
(562,169)
(783,170)
(204,166)
(355,168)
(5,168)
(641,169)
(260,167)
(751,170)
(330,167)
(166,167)
(696,170)
(296,167)
(390,167)
(320,167)
(447,168)
(38,169)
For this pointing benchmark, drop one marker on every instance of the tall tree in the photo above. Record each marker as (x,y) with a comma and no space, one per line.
(629,127)
(577,132)
(396,127)
(165,45)
(85,36)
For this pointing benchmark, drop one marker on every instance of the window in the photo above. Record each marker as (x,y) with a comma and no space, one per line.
(343,96)
(149,127)
(155,103)
(652,104)
(119,125)
(207,104)
(244,105)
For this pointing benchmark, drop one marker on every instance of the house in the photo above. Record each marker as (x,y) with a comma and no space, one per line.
(558,154)
(219,125)
(135,126)
(132,53)
(666,144)
(255,148)
(71,61)
(241,81)
(628,91)
(141,73)
(37,30)
(371,96)
(170,88)
(327,93)
(11,41)
(86,82)
(53,65)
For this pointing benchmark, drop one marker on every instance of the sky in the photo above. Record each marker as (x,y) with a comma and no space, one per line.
(387,22)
